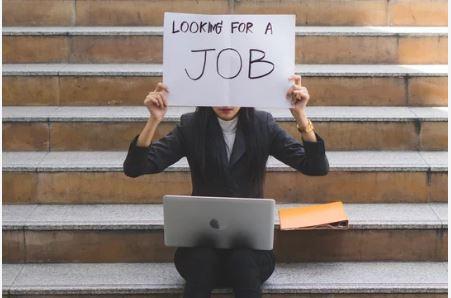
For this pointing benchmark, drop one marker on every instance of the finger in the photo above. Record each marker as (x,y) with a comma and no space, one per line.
(297,92)
(159,87)
(161,97)
(156,102)
(148,99)
(162,89)
(289,91)
(297,79)
(301,97)
(156,87)
(297,95)
(303,92)
(165,87)
(292,98)
(165,99)
(160,100)
(300,91)
(163,104)
(293,76)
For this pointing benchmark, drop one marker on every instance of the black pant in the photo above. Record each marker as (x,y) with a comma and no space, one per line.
(206,268)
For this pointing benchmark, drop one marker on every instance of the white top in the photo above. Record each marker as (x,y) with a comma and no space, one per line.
(229,130)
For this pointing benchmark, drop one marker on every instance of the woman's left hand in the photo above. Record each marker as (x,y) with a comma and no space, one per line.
(298,95)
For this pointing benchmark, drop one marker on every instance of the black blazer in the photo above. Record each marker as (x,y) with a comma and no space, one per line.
(308,158)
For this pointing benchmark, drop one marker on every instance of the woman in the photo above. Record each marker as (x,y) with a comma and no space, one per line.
(227,149)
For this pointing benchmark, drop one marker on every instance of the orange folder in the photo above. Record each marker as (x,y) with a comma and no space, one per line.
(319,216)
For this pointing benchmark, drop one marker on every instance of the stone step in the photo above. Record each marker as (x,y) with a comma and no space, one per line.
(98,177)
(338,279)
(128,84)
(134,233)
(144,13)
(56,128)
(321,45)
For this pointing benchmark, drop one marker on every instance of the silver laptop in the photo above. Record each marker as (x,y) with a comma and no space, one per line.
(220,222)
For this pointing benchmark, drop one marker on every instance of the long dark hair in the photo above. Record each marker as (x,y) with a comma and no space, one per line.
(208,145)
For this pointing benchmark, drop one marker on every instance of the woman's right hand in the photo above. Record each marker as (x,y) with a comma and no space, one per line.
(156,101)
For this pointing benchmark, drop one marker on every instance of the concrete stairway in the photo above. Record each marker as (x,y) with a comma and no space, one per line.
(75,75)
(314,44)
(134,233)
(375,279)
(57,128)
(127,84)
(97,177)
(308,12)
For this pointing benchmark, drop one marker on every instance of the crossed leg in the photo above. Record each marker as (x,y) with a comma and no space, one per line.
(247,269)
(200,267)
(205,268)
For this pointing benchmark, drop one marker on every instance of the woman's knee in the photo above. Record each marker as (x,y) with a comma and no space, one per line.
(241,256)
(242,268)
(268,261)
(248,265)
(197,264)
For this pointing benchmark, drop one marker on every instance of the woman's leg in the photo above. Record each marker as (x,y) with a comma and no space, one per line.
(200,267)
(247,269)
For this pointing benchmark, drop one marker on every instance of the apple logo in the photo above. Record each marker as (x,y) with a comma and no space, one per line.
(214,223)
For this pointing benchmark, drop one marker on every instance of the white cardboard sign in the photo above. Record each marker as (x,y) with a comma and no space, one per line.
(228,60)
